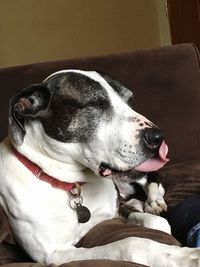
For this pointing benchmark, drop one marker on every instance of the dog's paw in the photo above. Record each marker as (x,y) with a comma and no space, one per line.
(155,206)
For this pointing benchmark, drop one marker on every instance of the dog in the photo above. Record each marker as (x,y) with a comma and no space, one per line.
(62,132)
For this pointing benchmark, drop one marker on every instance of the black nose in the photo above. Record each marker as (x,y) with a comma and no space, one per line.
(153,138)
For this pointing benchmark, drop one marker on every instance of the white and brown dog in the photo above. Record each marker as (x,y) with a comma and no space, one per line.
(64,135)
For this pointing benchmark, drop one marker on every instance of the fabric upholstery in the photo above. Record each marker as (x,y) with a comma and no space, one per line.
(181,180)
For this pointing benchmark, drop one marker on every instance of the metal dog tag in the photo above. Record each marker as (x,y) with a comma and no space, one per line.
(83,213)
(76,202)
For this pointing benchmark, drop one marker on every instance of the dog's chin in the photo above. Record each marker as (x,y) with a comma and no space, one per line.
(106,170)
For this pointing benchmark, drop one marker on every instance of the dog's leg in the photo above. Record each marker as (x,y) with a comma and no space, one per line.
(154,190)
(150,221)
(132,249)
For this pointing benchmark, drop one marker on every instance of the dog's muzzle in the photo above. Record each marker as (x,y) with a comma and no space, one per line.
(154,144)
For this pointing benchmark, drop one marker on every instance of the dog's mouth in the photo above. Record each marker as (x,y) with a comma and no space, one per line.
(149,165)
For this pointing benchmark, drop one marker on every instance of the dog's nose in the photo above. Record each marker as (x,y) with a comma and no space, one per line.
(153,138)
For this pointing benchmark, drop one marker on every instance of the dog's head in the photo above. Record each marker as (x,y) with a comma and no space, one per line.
(88,116)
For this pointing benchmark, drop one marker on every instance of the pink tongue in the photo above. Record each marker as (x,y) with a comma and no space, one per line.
(155,164)
(105,171)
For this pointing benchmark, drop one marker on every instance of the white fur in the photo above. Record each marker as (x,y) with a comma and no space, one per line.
(40,215)
(149,220)
(155,202)
(33,206)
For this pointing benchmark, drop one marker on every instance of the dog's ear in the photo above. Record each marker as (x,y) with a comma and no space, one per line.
(29,103)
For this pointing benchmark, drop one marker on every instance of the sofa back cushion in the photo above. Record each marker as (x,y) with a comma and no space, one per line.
(165,83)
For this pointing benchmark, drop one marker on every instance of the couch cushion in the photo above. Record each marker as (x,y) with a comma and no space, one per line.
(181,180)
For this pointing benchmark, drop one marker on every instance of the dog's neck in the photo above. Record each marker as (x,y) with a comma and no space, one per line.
(43,151)
(38,172)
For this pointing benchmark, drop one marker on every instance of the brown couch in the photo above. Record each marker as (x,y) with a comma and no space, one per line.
(166,85)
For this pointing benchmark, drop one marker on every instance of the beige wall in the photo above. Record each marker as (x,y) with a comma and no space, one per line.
(43,30)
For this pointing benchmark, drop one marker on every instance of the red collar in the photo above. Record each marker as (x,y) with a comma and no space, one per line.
(38,172)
